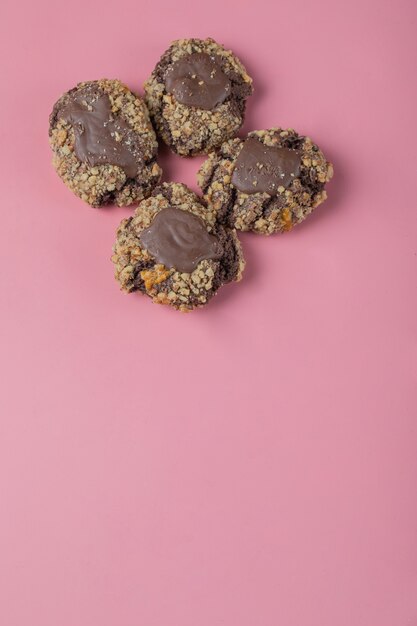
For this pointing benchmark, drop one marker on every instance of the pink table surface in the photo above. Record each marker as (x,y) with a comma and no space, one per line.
(253,463)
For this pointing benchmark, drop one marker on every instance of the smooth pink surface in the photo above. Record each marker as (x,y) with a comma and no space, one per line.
(253,463)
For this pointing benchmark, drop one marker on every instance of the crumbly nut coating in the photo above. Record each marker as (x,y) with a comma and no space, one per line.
(104,184)
(189,130)
(137,270)
(261,212)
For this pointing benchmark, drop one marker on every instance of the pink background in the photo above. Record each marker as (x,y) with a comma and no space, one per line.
(253,463)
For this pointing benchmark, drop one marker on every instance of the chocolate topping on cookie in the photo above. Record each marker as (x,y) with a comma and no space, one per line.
(197,80)
(100,137)
(179,239)
(262,169)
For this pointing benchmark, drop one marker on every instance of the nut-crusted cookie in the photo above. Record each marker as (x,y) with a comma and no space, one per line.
(266,183)
(197,95)
(103,143)
(174,250)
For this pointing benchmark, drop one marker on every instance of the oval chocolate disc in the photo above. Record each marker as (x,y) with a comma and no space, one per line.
(262,169)
(180,240)
(197,80)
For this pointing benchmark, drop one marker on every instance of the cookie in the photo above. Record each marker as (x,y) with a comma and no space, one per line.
(197,95)
(104,146)
(173,250)
(266,183)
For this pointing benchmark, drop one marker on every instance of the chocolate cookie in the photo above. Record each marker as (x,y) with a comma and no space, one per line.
(103,143)
(266,183)
(197,95)
(174,250)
